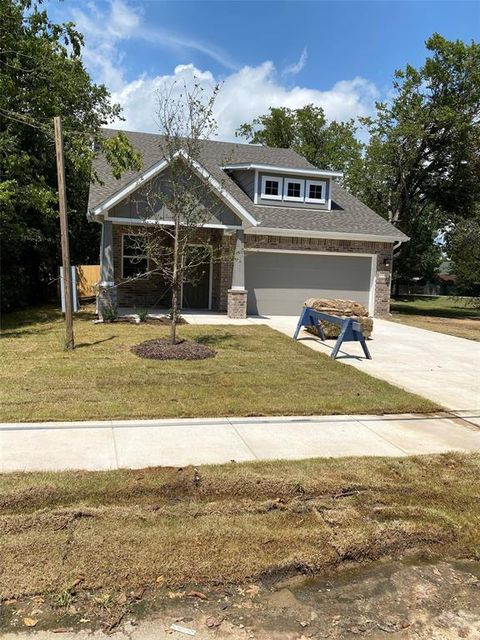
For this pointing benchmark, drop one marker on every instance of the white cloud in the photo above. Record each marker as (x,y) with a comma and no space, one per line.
(182,44)
(246,92)
(104,31)
(244,95)
(296,67)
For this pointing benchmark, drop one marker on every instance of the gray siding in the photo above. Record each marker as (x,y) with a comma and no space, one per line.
(146,202)
(279,283)
(246,181)
(290,203)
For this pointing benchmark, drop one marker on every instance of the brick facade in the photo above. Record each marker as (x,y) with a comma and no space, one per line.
(150,291)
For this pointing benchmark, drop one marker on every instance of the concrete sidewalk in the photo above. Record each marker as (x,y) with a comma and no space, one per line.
(144,443)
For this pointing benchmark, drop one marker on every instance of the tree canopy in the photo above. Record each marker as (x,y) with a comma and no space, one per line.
(420,168)
(328,145)
(41,76)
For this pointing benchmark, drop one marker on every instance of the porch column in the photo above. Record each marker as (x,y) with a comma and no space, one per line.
(237,295)
(107,293)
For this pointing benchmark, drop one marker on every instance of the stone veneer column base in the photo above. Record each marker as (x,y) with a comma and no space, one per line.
(107,298)
(237,304)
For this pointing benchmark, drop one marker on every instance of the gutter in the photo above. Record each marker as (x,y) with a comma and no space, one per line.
(333,235)
(251,166)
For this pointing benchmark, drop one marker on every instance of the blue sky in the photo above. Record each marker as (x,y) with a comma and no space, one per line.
(340,55)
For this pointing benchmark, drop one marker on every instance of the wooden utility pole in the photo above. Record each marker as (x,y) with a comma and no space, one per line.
(62,205)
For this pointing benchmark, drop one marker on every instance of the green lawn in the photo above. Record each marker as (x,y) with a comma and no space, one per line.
(257,371)
(453,316)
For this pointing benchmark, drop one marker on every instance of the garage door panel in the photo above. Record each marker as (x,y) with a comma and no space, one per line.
(279,283)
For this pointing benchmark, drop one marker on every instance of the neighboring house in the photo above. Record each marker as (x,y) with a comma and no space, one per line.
(295,231)
(442,284)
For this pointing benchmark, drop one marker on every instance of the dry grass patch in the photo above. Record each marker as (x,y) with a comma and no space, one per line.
(121,530)
(453,316)
(256,371)
(458,327)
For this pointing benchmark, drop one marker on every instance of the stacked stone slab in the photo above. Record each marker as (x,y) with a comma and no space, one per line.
(342,308)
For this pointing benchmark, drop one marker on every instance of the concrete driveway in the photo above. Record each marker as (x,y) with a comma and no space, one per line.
(442,368)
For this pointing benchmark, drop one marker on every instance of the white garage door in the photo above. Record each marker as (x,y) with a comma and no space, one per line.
(279,283)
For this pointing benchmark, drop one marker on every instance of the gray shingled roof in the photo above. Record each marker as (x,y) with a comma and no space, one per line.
(348,214)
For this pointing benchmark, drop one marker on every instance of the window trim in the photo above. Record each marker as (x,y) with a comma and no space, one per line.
(323,184)
(123,255)
(267,196)
(288,181)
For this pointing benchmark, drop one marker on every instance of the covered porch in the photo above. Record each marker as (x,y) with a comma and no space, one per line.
(220,286)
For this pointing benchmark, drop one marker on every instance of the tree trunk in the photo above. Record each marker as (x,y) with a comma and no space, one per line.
(173,325)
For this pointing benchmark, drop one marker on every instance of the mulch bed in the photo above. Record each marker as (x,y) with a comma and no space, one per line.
(158,349)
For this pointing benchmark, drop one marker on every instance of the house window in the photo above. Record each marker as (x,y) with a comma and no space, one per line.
(294,190)
(315,192)
(134,256)
(271,188)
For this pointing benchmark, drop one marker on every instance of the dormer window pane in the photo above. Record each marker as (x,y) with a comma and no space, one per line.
(293,190)
(271,188)
(315,192)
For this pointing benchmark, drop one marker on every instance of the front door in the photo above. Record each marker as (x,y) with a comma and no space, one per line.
(196,293)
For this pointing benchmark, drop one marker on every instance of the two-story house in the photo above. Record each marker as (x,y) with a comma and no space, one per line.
(294,231)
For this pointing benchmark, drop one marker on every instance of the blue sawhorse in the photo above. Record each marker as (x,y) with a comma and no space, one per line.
(351,330)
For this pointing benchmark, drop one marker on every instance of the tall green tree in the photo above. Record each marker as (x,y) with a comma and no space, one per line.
(327,145)
(422,164)
(42,75)
(463,247)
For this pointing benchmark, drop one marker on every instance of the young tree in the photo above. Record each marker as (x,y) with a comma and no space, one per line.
(327,145)
(42,76)
(181,194)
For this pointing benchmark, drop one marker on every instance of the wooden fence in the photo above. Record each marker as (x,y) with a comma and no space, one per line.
(88,276)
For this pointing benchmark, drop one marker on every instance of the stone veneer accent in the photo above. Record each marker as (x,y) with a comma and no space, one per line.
(237,304)
(107,298)
(150,291)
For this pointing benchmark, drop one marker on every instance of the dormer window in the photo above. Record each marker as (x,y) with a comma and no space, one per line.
(272,188)
(293,190)
(315,192)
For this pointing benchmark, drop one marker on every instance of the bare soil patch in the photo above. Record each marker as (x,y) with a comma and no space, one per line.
(159,349)
(104,542)
(421,601)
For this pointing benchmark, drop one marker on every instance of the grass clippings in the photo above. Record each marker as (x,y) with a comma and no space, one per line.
(158,349)
(257,371)
(116,532)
